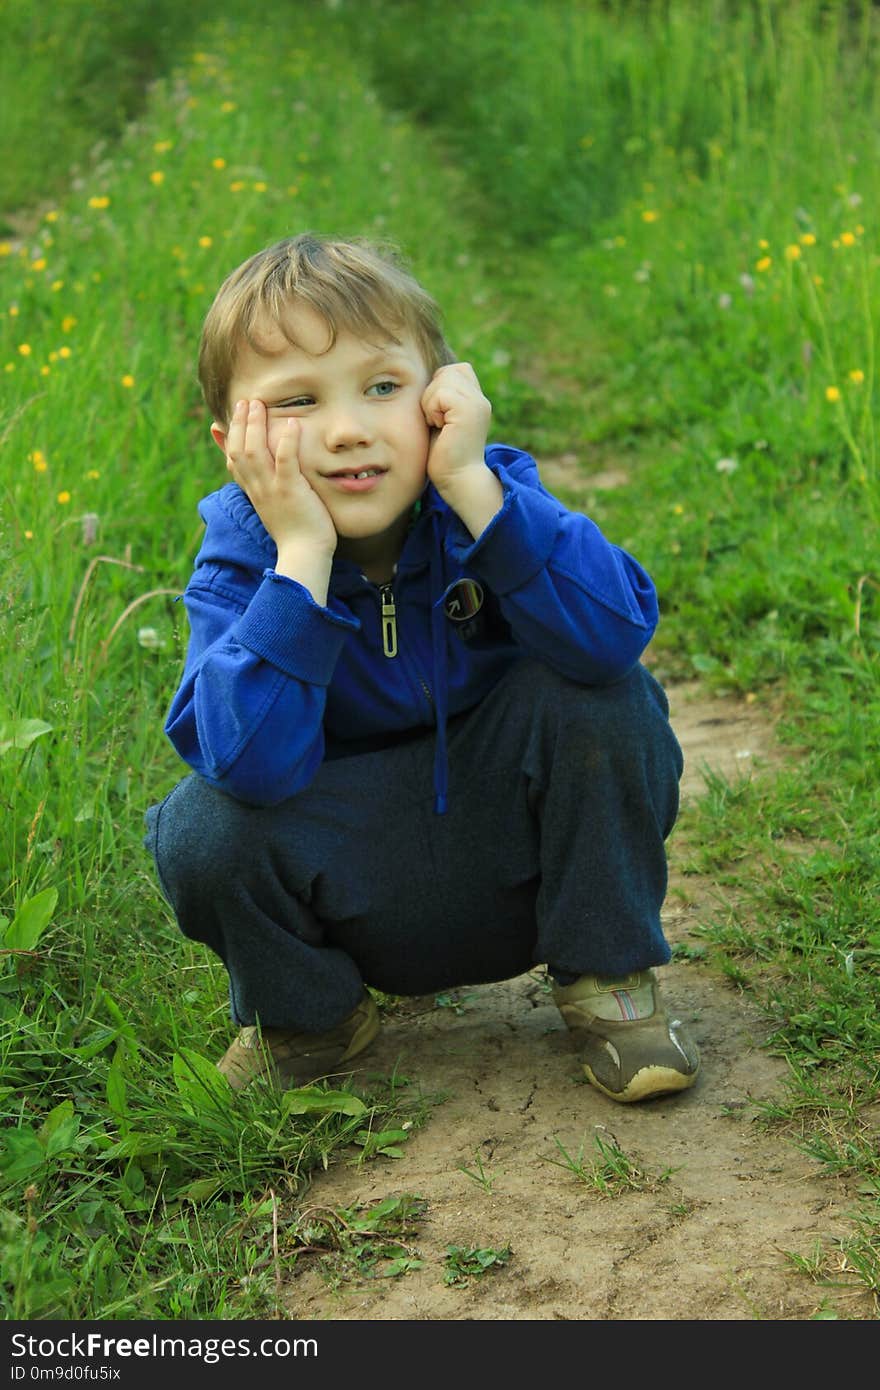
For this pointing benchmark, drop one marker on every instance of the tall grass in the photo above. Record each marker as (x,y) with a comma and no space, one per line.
(71,76)
(653,230)
(105,454)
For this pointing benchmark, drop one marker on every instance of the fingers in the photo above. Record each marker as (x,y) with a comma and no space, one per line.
(287,450)
(452,386)
(248,454)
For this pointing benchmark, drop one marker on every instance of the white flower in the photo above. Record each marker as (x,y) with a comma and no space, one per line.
(747,283)
(726,466)
(149,638)
(724,301)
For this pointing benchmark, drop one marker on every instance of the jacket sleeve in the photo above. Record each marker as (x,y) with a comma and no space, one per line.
(571,597)
(249,711)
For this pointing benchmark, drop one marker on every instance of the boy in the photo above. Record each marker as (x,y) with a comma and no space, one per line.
(424,751)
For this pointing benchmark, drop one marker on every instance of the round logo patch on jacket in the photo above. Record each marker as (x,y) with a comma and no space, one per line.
(463,600)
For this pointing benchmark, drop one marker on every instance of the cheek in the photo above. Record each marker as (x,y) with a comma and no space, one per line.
(417,430)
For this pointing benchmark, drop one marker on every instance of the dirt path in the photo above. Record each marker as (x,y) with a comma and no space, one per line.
(710,1242)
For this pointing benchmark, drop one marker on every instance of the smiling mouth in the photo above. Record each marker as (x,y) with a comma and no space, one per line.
(358,473)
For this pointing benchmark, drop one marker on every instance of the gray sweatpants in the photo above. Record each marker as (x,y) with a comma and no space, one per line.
(551,852)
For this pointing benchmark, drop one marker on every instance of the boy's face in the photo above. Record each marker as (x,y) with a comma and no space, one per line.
(359,410)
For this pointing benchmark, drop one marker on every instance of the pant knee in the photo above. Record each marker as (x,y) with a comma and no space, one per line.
(195,835)
(630,712)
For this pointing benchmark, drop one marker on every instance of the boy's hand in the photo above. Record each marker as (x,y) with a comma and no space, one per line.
(286,503)
(459,414)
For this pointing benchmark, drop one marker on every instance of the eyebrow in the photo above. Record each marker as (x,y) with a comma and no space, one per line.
(304,380)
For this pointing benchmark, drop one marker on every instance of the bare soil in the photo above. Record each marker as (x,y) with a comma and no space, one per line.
(727,1200)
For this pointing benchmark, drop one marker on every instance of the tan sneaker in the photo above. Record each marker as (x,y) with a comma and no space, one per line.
(630,1048)
(296,1059)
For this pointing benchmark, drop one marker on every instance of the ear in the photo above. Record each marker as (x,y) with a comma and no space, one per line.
(218,434)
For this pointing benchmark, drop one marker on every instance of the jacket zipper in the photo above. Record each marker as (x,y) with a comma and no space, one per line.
(389,633)
(389,620)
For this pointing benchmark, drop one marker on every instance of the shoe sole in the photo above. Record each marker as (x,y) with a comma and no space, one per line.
(649,1082)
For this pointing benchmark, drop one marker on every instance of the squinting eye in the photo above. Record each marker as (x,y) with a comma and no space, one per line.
(384,388)
(296,403)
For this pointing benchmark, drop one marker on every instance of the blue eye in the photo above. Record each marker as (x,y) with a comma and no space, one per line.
(383,388)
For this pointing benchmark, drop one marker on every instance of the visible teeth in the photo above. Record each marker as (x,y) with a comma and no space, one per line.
(367,473)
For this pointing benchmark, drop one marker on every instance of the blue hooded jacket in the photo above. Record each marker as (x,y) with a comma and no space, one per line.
(274,683)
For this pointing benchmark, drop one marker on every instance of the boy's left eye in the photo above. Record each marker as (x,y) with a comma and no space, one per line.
(382,388)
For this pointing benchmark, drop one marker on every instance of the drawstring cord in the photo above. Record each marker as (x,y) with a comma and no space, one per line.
(440,672)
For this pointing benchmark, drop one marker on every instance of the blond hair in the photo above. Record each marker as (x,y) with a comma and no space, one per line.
(355,284)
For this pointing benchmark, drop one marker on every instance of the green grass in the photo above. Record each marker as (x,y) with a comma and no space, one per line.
(602,257)
(72,75)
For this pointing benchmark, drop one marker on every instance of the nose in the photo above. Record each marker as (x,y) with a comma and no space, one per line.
(346,428)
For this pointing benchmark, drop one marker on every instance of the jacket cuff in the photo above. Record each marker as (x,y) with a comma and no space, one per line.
(516,544)
(284,625)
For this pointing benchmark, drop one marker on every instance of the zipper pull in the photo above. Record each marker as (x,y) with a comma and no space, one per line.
(389,621)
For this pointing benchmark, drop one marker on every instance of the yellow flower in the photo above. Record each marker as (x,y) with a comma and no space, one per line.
(260,186)
(218,163)
(99,202)
(764,245)
(163,146)
(206,241)
(763,264)
(127,381)
(57,285)
(847,239)
(53,215)
(25,349)
(157,177)
(39,264)
(93,473)
(13,311)
(5,248)
(38,459)
(9,367)
(53,356)
(28,535)
(857,376)
(229,106)
(818,280)
(67,323)
(236,186)
(678,509)
(64,352)
(808,239)
(649,215)
(832,393)
(44,371)
(792,253)
(64,498)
